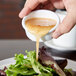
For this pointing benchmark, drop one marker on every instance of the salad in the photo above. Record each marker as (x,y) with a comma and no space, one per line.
(45,66)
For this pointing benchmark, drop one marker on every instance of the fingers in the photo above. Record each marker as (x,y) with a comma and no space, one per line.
(67,24)
(58,4)
(49,6)
(24,12)
(28,7)
(46,5)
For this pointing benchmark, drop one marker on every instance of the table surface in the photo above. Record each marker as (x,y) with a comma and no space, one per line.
(9,47)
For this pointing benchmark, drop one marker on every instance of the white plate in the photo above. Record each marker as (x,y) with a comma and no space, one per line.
(7,62)
(52,45)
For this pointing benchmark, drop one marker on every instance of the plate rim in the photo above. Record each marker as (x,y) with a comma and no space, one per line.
(12,58)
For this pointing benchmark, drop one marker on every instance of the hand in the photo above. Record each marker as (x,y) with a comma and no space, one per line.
(40,4)
(68,22)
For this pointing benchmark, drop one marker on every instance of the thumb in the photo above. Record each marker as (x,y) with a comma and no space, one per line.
(66,25)
(28,7)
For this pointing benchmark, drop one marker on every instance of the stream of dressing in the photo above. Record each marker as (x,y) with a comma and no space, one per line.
(39,27)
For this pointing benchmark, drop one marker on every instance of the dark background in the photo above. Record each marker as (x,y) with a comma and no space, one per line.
(10,23)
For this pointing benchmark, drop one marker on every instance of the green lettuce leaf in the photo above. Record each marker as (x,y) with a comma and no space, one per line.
(28,66)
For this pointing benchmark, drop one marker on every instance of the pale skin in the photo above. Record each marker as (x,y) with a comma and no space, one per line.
(69,21)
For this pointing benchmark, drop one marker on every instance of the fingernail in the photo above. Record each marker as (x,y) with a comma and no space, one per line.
(56,35)
(21,14)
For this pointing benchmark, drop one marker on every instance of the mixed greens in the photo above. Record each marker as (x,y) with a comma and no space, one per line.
(29,66)
(45,66)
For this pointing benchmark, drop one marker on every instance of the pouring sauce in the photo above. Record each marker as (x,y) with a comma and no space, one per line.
(39,27)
